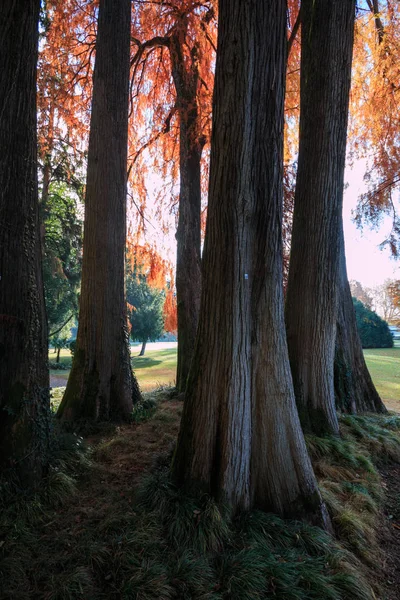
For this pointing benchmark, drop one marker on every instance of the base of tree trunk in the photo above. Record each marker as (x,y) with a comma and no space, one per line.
(99,394)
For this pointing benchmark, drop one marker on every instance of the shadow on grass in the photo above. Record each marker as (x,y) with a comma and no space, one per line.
(143,362)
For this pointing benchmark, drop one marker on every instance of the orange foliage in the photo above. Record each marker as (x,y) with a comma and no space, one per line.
(64,94)
(159,274)
(375,112)
(65,68)
(156,108)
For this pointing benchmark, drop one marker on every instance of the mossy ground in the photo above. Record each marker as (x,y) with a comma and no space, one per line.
(108,523)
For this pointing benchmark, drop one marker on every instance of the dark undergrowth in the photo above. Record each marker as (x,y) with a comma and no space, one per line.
(93,532)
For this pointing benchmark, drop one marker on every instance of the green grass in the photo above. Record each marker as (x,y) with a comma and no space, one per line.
(156,368)
(384,366)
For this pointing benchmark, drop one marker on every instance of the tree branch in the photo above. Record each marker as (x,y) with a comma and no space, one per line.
(62,326)
(293,33)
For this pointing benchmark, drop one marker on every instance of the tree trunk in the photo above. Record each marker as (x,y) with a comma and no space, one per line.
(58,355)
(101,385)
(311,304)
(354,389)
(24,376)
(143,348)
(188,236)
(240,436)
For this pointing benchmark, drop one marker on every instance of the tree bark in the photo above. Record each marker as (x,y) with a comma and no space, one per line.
(58,355)
(101,385)
(188,235)
(354,389)
(24,377)
(311,304)
(240,436)
(143,348)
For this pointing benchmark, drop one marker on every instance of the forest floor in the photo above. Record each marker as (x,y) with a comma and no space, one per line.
(95,542)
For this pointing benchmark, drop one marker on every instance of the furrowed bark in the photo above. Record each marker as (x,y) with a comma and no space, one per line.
(312,294)
(101,385)
(240,436)
(24,376)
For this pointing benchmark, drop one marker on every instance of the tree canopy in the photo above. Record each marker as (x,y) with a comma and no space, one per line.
(145,309)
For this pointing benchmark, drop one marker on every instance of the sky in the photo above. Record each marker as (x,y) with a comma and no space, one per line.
(366,262)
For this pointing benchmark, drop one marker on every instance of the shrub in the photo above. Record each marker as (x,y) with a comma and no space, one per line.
(373,331)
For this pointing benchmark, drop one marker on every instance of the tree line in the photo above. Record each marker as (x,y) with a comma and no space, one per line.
(258,370)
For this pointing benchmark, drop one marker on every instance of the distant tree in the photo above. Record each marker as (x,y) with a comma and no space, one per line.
(374,331)
(145,310)
(393,292)
(386,301)
(361,293)
(61,339)
(24,376)
(62,258)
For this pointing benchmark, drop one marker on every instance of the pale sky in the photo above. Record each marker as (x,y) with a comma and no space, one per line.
(365,261)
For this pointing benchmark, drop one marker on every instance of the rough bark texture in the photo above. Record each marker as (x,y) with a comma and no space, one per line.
(354,389)
(240,436)
(24,377)
(188,268)
(311,303)
(101,385)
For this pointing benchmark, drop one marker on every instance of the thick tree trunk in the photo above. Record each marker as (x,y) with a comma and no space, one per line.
(354,389)
(240,436)
(143,348)
(24,377)
(311,303)
(101,385)
(188,236)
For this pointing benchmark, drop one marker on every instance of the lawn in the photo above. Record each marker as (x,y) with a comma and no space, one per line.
(384,366)
(158,367)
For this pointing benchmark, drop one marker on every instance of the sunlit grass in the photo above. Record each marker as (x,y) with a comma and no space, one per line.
(384,366)
(156,368)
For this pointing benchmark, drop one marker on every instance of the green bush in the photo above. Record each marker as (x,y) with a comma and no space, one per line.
(373,331)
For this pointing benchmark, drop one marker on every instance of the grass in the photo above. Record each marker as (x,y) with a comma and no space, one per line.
(156,368)
(116,527)
(384,366)
(110,524)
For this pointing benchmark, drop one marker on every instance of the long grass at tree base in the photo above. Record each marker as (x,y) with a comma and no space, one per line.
(154,541)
